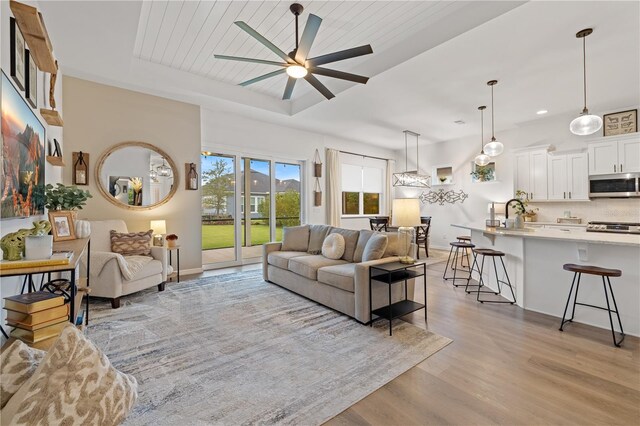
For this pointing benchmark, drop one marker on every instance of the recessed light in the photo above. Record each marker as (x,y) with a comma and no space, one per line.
(459,122)
(542,112)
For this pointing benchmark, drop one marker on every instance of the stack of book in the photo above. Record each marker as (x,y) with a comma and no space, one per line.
(38,318)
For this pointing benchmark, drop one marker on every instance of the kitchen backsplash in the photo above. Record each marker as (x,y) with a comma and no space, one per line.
(601,209)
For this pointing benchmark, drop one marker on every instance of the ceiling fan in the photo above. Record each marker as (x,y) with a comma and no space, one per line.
(297,64)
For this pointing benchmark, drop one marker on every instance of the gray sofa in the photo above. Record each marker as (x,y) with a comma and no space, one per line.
(341,284)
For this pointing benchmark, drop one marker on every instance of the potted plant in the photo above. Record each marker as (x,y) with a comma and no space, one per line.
(482,173)
(529,215)
(62,197)
(172,240)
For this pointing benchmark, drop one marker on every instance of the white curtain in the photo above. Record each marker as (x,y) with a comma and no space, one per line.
(391,165)
(334,201)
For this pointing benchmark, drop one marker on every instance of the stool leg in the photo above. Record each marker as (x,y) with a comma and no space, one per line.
(480,282)
(474,267)
(613,333)
(495,268)
(575,298)
(506,274)
(444,276)
(615,305)
(455,266)
(568,300)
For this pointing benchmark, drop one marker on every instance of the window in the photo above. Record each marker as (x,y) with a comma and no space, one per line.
(362,185)
(255,203)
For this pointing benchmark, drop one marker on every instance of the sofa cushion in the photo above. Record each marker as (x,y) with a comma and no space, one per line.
(338,276)
(375,247)
(307,266)
(131,243)
(363,238)
(281,258)
(17,364)
(350,241)
(317,234)
(333,246)
(151,268)
(295,238)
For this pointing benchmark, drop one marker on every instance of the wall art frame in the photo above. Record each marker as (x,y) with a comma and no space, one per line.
(31,80)
(17,54)
(620,123)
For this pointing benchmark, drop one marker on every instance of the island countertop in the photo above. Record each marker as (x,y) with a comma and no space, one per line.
(577,235)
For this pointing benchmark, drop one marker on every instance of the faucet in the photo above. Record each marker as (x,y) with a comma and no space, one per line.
(506,206)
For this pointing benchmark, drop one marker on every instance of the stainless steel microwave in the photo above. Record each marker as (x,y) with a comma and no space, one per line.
(619,185)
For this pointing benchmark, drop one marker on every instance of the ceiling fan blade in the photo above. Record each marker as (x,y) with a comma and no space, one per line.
(288,90)
(253,33)
(257,61)
(339,74)
(340,56)
(308,36)
(263,77)
(319,86)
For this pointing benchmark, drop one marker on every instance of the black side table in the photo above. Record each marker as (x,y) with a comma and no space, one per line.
(392,273)
(176,272)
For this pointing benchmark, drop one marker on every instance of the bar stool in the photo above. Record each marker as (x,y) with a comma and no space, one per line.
(492,254)
(465,239)
(578,270)
(458,246)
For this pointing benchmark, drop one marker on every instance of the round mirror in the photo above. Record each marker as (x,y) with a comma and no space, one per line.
(136,176)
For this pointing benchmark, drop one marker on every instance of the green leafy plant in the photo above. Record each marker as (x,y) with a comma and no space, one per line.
(62,197)
(521,209)
(483,173)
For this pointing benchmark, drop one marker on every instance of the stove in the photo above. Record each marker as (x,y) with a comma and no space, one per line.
(614,227)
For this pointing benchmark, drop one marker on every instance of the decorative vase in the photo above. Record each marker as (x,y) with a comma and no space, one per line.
(83,228)
(519,224)
(38,247)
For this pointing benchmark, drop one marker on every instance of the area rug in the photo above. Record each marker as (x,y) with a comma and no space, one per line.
(233,349)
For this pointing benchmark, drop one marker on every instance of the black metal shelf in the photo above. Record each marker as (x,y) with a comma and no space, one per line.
(398,309)
(395,276)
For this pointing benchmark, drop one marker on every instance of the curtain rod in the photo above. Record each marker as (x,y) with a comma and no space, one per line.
(363,155)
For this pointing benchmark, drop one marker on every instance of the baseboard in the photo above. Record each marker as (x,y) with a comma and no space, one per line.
(190,271)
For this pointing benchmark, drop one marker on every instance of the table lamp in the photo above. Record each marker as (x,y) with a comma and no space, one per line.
(159,228)
(406,216)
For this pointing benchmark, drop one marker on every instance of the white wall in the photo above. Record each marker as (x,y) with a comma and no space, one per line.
(460,154)
(234,134)
(11,286)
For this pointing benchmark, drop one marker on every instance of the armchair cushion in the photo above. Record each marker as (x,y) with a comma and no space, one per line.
(131,243)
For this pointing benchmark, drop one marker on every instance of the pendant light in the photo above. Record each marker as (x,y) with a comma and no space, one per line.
(411,178)
(585,123)
(482,159)
(163,170)
(493,148)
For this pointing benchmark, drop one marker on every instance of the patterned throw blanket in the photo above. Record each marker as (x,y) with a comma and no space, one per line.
(129,265)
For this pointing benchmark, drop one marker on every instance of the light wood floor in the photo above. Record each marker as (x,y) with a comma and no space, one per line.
(505,366)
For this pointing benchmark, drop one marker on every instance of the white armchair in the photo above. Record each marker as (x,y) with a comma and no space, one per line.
(109,281)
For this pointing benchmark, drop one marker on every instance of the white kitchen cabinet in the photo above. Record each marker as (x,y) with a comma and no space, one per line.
(568,176)
(531,174)
(620,155)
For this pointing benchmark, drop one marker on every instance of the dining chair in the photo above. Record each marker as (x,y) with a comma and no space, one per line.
(422,234)
(379,223)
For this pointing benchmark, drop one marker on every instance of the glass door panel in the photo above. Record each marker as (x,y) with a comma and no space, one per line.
(288,197)
(218,184)
(255,205)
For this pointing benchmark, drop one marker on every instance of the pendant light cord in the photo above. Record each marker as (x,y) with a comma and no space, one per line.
(584,71)
(406,153)
(296,32)
(493,134)
(482,130)
(417,157)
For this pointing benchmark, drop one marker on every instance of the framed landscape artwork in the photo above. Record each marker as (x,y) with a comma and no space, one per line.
(17,55)
(22,166)
(620,123)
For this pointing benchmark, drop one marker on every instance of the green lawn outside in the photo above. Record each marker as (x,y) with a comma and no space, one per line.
(221,236)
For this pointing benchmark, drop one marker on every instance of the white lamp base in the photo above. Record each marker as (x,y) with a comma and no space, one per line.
(405,236)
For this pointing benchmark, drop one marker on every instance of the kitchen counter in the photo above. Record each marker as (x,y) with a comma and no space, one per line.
(534,260)
(576,234)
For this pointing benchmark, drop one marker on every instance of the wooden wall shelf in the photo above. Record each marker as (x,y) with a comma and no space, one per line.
(56,161)
(52,117)
(31,24)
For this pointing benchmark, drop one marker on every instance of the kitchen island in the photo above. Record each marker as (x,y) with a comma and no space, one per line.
(534,259)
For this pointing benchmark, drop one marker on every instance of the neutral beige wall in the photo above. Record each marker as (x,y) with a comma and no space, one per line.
(98,116)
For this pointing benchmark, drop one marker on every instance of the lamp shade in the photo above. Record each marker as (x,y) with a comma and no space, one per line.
(159,226)
(493,148)
(406,212)
(585,124)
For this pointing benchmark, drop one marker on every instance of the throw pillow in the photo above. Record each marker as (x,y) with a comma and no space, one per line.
(295,238)
(131,243)
(363,239)
(350,241)
(333,246)
(17,364)
(375,247)
(317,234)
(75,384)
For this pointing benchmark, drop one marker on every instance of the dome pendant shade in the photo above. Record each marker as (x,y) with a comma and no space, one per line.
(482,159)
(493,148)
(585,124)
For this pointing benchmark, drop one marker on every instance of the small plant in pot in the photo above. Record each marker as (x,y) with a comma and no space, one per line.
(172,240)
(529,215)
(62,197)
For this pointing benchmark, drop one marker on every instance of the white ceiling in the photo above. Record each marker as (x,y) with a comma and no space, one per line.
(423,78)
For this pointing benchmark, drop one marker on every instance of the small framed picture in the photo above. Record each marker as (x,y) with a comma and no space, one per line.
(62,226)
(620,123)
(17,54)
(31,77)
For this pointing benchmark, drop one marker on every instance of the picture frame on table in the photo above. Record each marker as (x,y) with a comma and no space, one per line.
(17,54)
(62,226)
(31,79)
(620,123)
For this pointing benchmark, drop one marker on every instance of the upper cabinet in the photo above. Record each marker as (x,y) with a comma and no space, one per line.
(531,173)
(619,155)
(568,176)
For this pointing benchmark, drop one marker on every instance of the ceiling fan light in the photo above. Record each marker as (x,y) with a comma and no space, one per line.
(296,71)
(482,159)
(585,124)
(493,148)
